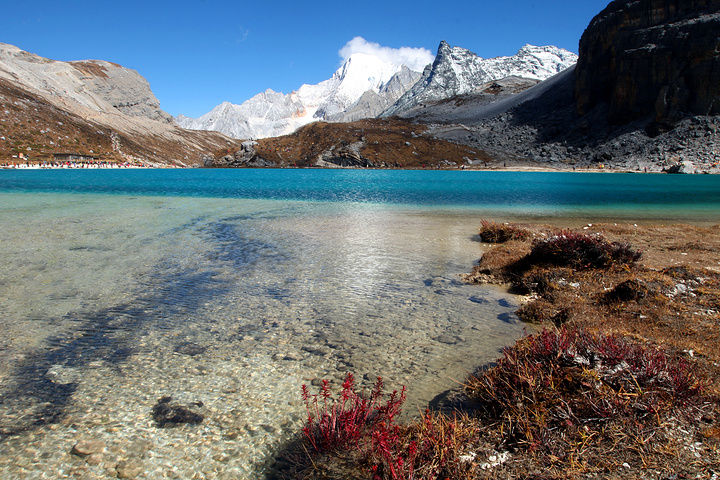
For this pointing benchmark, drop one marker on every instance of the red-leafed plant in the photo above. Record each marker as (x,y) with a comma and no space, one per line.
(336,422)
(366,426)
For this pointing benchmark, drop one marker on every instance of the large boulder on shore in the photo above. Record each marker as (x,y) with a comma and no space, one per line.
(651,57)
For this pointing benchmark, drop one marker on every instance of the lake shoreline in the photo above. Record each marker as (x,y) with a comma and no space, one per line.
(653,304)
(468,168)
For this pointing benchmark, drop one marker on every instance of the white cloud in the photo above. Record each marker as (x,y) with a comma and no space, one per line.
(414,58)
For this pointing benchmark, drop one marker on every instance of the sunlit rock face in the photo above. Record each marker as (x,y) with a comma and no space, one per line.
(89,86)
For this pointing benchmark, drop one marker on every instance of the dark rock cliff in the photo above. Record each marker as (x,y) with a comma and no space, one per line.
(657,58)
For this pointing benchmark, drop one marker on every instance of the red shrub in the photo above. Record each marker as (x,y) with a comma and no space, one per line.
(334,423)
(571,378)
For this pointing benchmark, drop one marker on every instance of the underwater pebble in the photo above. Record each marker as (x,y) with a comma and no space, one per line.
(129,468)
(87,446)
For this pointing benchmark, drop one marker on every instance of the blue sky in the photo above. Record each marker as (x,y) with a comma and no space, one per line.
(198,54)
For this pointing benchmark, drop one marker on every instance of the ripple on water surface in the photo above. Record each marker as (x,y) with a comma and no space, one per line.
(110,303)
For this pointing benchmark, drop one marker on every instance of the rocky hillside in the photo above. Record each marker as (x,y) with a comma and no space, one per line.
(92,86)
(629,105)
(370,143)
(91,107)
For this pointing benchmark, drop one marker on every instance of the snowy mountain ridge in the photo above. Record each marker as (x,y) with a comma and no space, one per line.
(366,86)
(458,71)
(270,113)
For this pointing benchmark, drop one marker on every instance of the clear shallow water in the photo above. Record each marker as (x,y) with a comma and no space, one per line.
(234,287)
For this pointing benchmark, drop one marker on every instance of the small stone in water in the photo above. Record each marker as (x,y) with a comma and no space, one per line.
(94,459)
(87,447)
(129,468)
(169,414)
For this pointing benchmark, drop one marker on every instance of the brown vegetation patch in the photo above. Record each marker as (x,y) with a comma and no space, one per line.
(91,68)
(38,129)
(494,232)
(569,397)
(668,303)
(377,143)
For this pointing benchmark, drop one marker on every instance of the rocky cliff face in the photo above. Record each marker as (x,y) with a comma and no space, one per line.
(651,57)
(458,71)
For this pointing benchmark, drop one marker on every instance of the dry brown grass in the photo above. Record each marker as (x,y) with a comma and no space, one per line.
(667,302)
(494,232)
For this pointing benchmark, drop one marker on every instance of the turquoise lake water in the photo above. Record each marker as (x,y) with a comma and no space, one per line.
(527,194)
(234,287)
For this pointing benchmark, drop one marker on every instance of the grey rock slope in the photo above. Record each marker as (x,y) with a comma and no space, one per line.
(541,126)
(486,101)
(106,109)
(95,86)
(458,71)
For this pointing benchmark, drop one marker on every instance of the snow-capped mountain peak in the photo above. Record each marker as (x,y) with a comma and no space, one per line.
(458,71)
(365,72)
(271,113)
(367,85)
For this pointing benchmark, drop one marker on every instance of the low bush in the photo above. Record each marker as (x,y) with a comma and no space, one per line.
(428,449)
(493,232)
(365,428)
(632,290)
(581,250)
(336,422)
(564,390)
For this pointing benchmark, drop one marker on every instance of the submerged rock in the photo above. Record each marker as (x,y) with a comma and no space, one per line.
(130,468)
(88,446)
(190,348)
(167,414)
